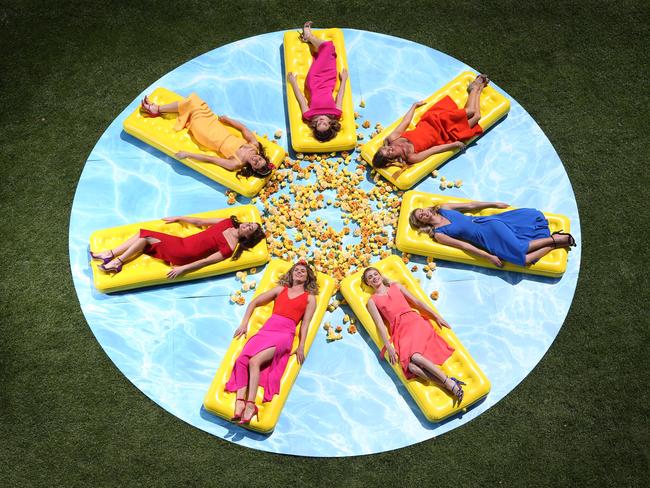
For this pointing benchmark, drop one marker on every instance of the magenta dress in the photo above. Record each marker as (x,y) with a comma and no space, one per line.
(320,83)
(279,332)
(409,332)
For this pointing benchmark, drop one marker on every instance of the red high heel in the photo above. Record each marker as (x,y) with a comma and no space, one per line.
(114,270)
(255,414)
(237,417)
(145,106)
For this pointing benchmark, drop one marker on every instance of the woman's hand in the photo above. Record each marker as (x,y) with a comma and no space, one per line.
(182,155)
(392,355)
(343,75)
(241,331)
(495,260)
(300,354)
(419,104)
(171,220)
(175,272)
(500,205)
(442,322)
(459,145)
(291,78)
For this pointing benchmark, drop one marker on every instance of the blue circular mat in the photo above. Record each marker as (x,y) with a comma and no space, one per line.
(169,340)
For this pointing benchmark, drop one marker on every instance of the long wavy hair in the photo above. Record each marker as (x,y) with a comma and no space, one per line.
(311,284)
(246,243)
(423,227)
(325,135)
(247,170)
(384,280)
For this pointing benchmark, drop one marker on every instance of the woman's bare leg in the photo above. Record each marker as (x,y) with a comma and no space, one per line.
(533,257)
(433,371)
(558,240)
(109,253)
(254,365)
(473,105)
(159,109)
(239,401)
(133,250)
(168,108)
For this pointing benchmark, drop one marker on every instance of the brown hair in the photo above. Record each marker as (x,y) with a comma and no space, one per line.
(384,280)
(420,226)
(325,135)
(311,284)
(247,170)
(381,161)
(246,243)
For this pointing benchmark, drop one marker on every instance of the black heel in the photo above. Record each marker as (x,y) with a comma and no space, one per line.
(572,241)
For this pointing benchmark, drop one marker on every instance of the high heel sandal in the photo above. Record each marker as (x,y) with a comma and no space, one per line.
(237,417)
(572,241)
(114,270)
(103,260)
(482,78)
(145,106)
(255,414)
(456,389)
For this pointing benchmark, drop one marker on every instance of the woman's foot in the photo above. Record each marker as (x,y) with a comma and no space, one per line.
(480,81)
(113,266)
(240,405)
(563,239)
(305,33)
(105,256)
(150,109)
(249,412)
(455,387)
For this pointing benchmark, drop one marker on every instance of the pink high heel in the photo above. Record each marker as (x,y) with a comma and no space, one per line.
(237,417)
(145,106)
(255,414)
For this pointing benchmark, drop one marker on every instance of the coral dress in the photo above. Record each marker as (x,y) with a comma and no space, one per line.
(506,235)
(184,250)
(410,332)
(279,332)
(443,123)
(205,127)
(321,81)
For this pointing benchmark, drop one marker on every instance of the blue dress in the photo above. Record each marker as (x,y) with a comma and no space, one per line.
(505,235)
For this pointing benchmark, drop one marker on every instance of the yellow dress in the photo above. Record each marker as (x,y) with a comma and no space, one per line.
(205,127)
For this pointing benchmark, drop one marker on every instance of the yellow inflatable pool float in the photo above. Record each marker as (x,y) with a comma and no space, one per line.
(297,60)
(222,403)
(147,271)
(494,106)
(159,132)
(435,403)
(407,239)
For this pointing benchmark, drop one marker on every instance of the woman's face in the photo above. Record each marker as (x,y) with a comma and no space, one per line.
(323,123)
(247,229)
(426,216)
(390,152)
(257,161)
(373,278)
(299,274)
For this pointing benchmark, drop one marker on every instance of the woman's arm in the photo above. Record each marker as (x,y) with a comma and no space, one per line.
(466,246)
(192,220)
(467,206)
(200,263)
(423,307)
(302,101)
(229,164)
(403,125)
(304,327)
(259,300)
(422,155)
(245,131)
(379,322)
(341,93)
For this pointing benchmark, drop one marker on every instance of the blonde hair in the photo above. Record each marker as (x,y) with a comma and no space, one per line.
(311,284)
(384,280)
(420,226)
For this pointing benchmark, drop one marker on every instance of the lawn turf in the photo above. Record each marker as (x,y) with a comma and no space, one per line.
(68,417)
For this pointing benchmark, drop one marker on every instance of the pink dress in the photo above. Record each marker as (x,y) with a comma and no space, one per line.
(279,332)
(321,81)
(410,332)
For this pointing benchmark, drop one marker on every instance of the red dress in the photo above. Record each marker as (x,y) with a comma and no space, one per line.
(443,123)
(184,250)
(410,332)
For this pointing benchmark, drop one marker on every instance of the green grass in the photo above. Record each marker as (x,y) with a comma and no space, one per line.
(69,418)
